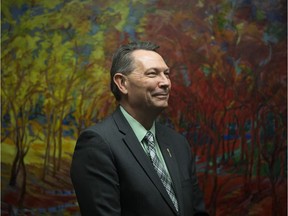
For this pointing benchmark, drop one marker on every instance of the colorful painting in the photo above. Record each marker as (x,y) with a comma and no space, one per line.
(228,61)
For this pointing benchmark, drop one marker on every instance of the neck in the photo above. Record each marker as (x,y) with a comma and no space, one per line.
(145,118)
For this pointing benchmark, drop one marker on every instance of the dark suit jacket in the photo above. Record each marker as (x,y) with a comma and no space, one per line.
(112,175)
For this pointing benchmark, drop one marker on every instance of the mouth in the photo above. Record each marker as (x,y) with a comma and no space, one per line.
(161,95)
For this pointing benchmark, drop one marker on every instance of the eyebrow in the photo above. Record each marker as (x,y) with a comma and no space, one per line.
(158,69)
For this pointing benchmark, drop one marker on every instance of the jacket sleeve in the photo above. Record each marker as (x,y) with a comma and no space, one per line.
(198,201)
(94,176)
(192,194)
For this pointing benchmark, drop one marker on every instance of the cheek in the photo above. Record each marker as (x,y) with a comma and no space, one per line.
(143,87)
(152,85)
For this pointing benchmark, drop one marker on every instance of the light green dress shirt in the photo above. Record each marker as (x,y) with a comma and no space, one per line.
(140,133)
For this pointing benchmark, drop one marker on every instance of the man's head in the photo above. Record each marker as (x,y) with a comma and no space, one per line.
(140,78)
(122,61)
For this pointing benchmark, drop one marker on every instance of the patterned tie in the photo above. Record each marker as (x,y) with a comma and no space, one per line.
(158,166)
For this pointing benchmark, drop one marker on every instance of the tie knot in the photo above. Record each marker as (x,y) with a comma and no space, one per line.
(149,138)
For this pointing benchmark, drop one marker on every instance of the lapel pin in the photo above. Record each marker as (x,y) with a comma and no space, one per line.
(169,152)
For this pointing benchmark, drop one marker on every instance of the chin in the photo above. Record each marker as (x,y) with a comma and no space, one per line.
(159,105)
(162,106)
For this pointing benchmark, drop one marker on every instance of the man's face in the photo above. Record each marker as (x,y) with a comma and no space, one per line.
(148,85)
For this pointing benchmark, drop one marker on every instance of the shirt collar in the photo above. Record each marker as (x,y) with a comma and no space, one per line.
(137,128)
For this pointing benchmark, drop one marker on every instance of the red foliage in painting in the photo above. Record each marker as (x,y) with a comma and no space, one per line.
(224,73)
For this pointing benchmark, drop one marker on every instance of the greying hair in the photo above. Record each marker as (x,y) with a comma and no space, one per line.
(122,61)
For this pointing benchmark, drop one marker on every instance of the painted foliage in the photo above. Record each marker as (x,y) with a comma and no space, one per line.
(229,94)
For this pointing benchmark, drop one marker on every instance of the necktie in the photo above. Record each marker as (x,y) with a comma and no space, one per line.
(159,167)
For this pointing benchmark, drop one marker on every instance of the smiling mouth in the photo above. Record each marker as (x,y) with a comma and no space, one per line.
(162,96)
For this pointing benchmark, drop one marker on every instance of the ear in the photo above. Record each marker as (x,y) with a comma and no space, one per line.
(120,80)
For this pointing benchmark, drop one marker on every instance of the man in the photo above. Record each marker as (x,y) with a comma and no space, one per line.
(128,164)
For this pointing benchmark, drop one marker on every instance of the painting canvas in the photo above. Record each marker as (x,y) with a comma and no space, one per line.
(228,61)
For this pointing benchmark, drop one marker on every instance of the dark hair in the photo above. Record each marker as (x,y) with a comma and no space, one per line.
(123,63)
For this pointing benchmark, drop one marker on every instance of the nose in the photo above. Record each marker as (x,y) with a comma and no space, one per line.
(164,81)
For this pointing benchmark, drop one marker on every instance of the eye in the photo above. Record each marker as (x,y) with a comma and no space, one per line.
(151,73)
(167,73)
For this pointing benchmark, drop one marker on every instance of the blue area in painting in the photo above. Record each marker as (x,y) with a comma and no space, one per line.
(94,28)
(235,63)
(35,11)
(5,120)
(184,72)
(16,15)
(5,26)
(18,12)
(224,46)
(84,50)
(275,16)
(136,12)
(59,6)
(268,38)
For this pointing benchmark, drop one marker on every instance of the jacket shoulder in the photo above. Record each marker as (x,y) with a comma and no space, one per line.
(102,127)
(168,131)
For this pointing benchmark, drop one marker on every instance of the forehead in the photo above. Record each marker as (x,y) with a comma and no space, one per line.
(148,59)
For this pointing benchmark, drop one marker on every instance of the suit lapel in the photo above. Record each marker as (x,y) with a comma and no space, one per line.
(136,149)
(168,154)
